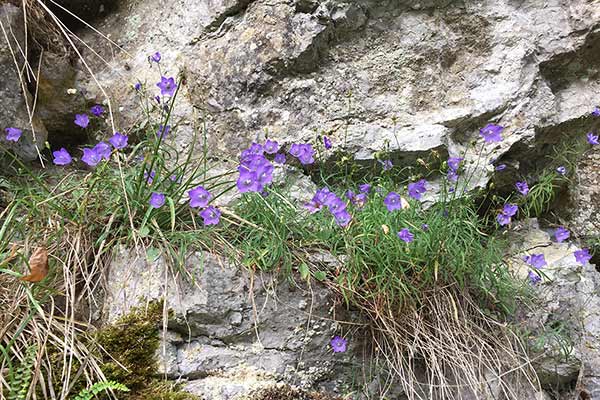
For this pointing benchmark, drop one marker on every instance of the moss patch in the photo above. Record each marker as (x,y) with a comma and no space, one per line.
(132,342)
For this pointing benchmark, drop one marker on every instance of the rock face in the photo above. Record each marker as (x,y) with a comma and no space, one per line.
(231,333)
(584,209)
(564,324)
(405,77)
(15,102)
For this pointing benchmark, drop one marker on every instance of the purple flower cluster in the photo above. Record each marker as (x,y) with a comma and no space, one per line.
(255,170)
(336,206)
(509,211)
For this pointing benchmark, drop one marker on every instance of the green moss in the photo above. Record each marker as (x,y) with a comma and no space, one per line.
(290,393)
(132,342)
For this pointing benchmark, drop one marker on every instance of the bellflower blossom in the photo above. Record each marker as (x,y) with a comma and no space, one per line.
(522,187)
(338,344)
(582,256)
(199,197)
(157,200)
(279,158)
(491,133)
(149,177)
(156,57)
(534,278)
(326,143)
(509,210)
(561,170)
(62,157)
(163,131)
(304,152)
(364,188)
(500,167)
(271,147)
(592,139)
(211,215)
(393,201)
(416,189)
(97,110)
(596,112)
(13,134)
(103,149)
(537,261)
(82,120)
(167,86)
(137,86)
(91,157)
(405,235)
(561,234)
(118,141)
(386,164)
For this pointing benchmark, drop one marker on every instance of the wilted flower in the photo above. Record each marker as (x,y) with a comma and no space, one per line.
(91,157)
(326,142)
(156,57)
(97,110)
(211,215)
(522,187)
(561,170)
(392,201)
(360,200)
(103,149)
(491,133)
(537,261)
(416,189)
(386,164)
(82,120)
(338,344)
(13,134)
(592,139)
(62,157)
(118,141)
(405,235)
(534,278)
(279,158)
(271,147)
(167,86)
(582,256)
(561,234)
(364,188)
(157,200)
(199,197)
(425,227)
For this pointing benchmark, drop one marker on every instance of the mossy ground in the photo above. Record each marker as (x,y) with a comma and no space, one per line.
(290,393)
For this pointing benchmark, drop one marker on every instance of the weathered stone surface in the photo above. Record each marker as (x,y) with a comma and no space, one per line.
(226,320)
(14,97)
(405,77)
(565,324)
(584,207)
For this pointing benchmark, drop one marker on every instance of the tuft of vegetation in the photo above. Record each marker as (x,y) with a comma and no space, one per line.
(99,387)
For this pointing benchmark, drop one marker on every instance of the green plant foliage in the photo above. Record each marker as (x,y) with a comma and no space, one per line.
(96,388)
(20,380)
